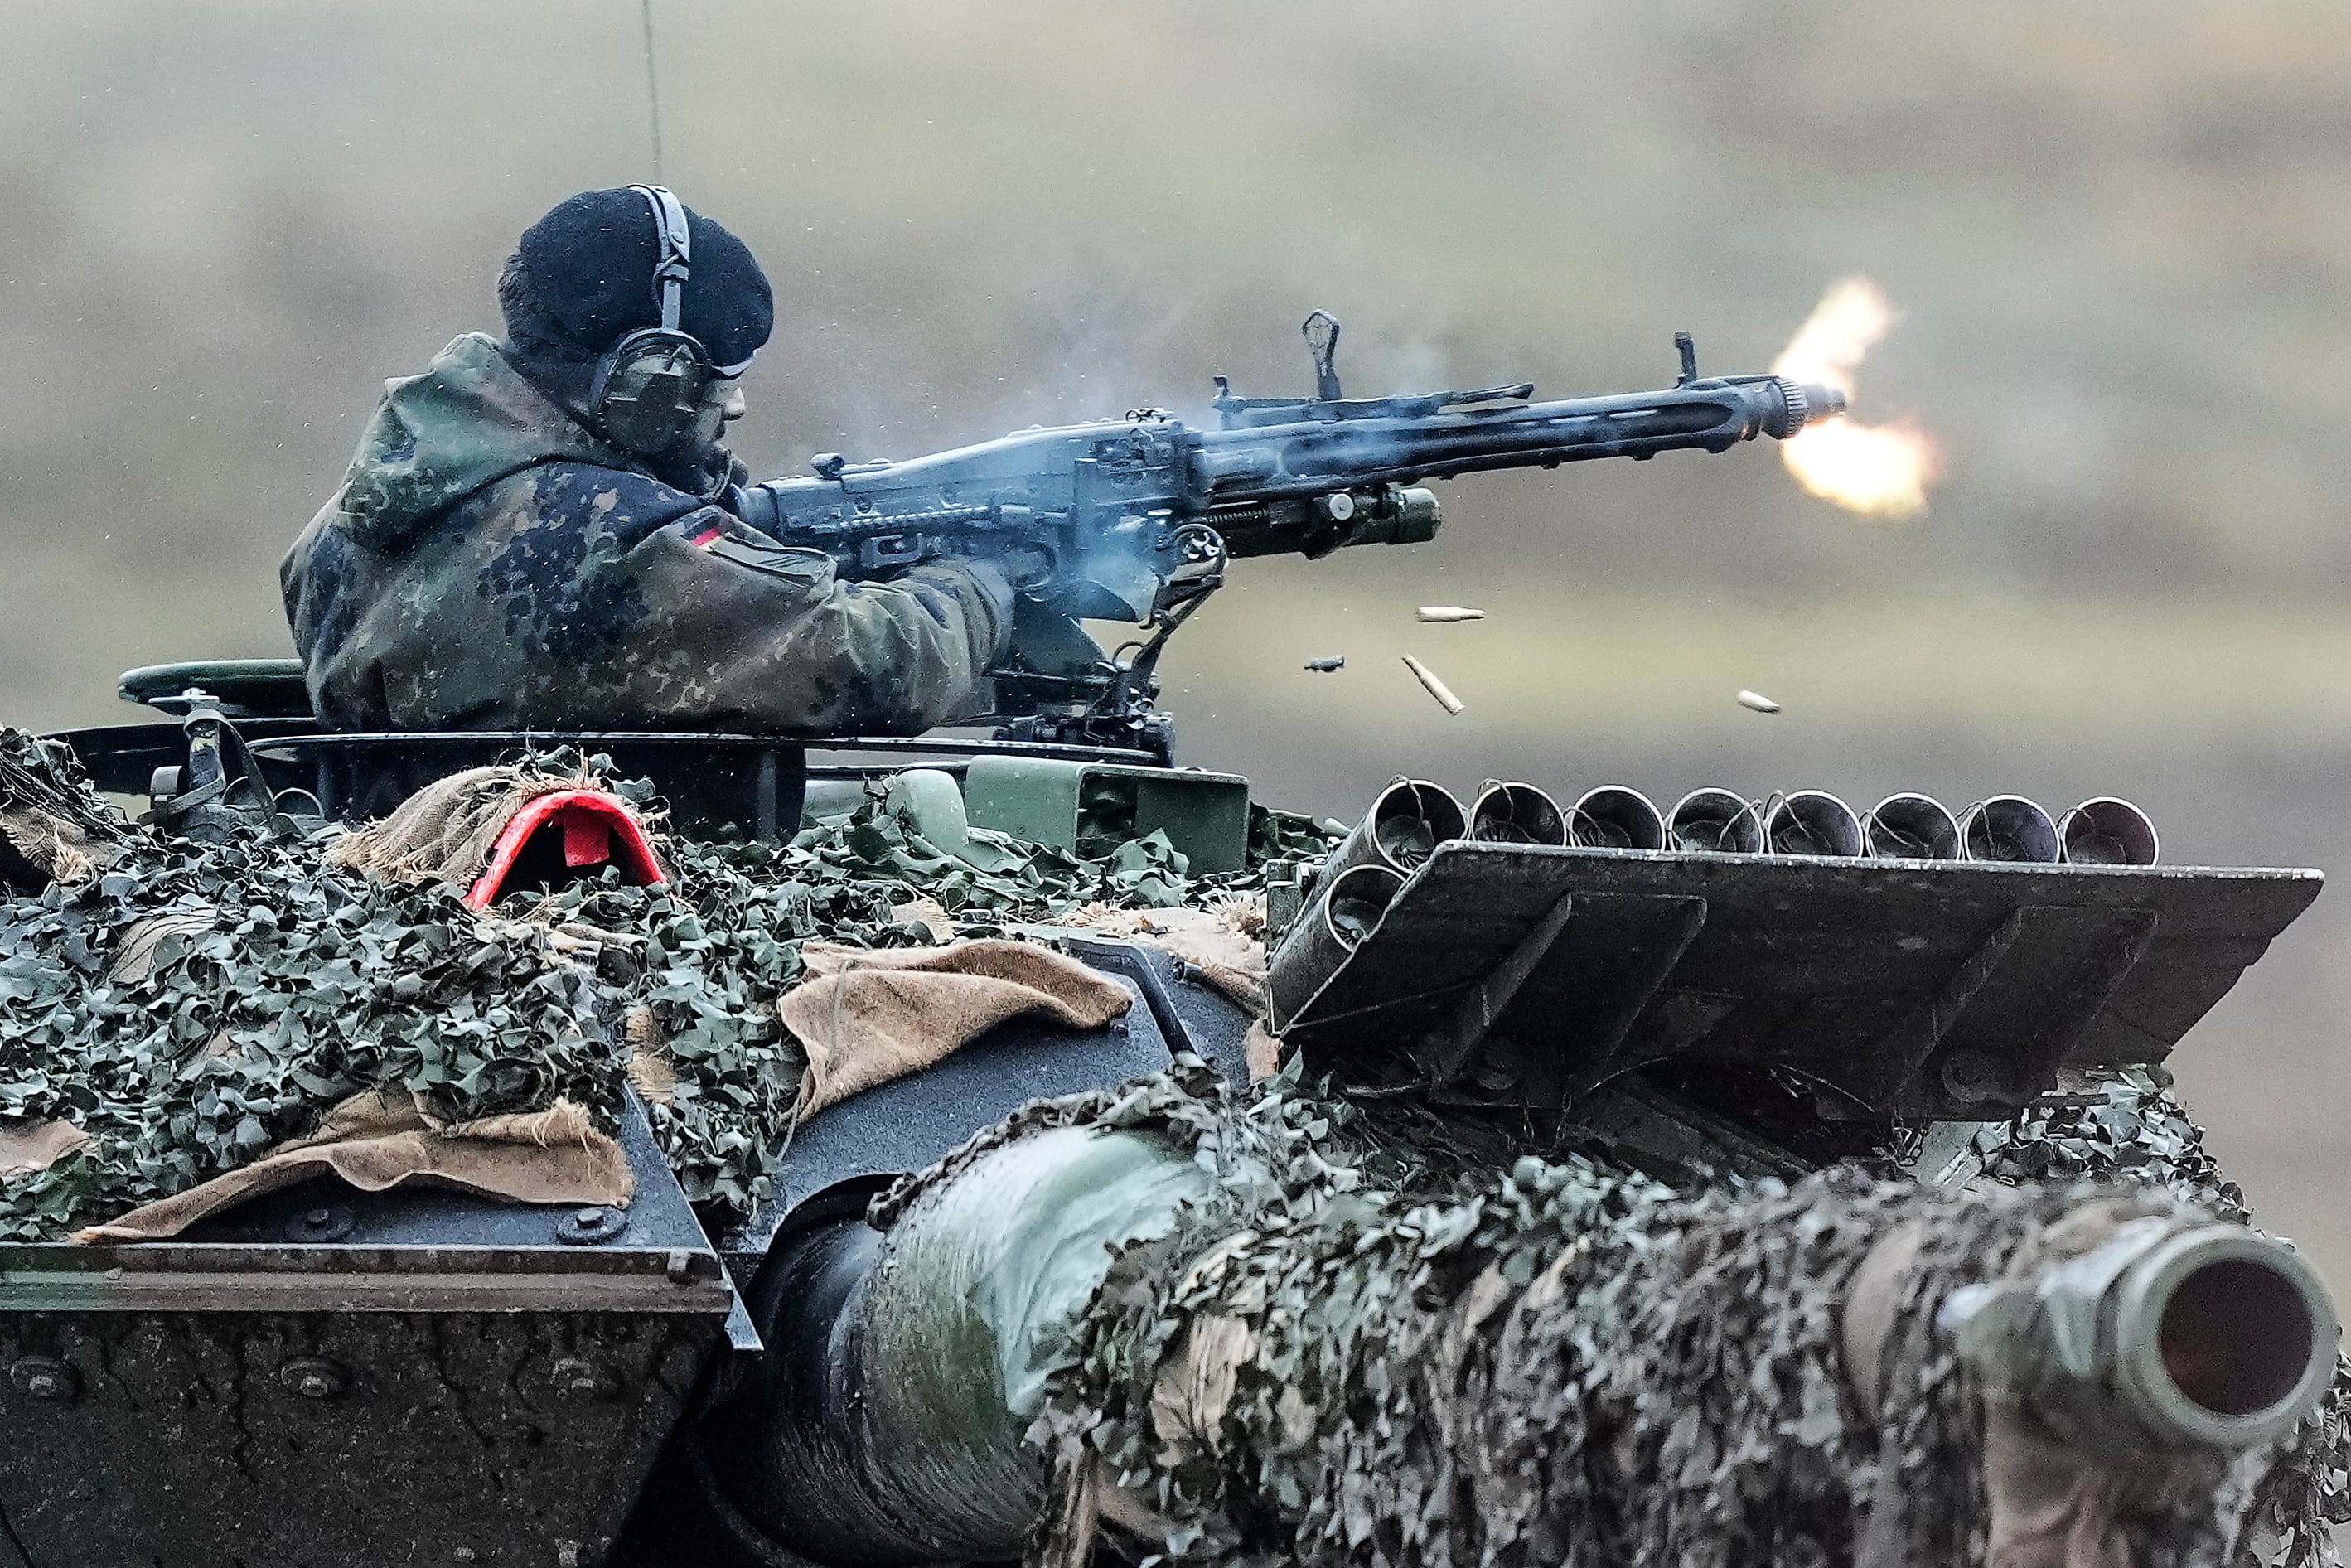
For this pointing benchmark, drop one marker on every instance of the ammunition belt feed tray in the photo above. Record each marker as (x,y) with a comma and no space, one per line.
(1517,974)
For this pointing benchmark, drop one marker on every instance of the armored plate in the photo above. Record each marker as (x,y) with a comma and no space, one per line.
(1526,975)
(329,1376)
(910,1123)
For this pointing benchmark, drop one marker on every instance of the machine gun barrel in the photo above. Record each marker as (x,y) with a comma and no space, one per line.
(1134,519)
(1316,456)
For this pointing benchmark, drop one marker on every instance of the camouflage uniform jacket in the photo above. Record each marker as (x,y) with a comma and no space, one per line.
(490,563)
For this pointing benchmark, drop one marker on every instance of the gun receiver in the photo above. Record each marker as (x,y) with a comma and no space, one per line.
(1132,519)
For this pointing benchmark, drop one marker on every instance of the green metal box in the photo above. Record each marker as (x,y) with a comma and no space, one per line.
(1095,805)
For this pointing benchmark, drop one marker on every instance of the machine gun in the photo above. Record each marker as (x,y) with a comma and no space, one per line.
(1132,519)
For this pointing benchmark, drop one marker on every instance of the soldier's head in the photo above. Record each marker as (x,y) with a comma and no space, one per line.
(638,313)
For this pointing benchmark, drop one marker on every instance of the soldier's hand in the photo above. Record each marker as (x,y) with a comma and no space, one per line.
(994,581)
(982,584)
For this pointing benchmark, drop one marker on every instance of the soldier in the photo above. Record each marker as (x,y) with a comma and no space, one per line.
(537,532)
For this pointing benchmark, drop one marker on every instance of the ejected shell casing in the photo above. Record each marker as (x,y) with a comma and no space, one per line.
(1333,926)
(2108,832)
(1406,823)
(1614,817)
(1757,702)
(1714,822)
(1327,663)
(1810,822)
(2008,827)
(1911,827)
(1437,688)
(1516,814)
(1441,615)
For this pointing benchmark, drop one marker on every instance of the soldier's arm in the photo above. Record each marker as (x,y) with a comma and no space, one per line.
(743,629)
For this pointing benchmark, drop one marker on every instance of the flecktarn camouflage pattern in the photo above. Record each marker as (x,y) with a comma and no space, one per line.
(489,562)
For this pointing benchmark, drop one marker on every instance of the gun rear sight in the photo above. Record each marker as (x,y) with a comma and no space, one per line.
(1329,404)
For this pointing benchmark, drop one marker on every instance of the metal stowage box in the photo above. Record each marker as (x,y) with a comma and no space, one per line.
(1046,801)
(323,1375)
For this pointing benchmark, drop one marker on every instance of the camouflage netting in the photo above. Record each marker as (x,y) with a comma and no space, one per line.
(52,823)
(1394,1355)
(281,984)
(2141,1133)
(1371,1353)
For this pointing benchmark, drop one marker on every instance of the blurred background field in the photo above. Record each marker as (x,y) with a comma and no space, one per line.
(2119,237)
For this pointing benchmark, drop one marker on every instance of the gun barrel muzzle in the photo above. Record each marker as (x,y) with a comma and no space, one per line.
(1802,405)
(2171,1334)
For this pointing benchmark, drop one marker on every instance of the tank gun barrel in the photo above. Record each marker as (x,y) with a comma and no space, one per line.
(919,1370)
(2168,1334)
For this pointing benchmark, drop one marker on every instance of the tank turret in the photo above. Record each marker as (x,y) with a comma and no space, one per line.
(1509,1183)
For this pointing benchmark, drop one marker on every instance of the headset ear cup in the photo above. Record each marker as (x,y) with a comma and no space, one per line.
(649,391)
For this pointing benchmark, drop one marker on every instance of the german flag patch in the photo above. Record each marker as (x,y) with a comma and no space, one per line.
(708,535)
